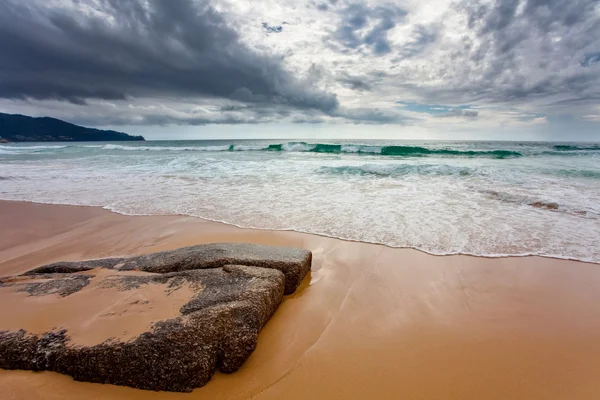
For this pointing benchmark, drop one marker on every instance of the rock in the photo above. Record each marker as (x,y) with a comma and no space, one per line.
(45,284)
(293,262)
(217,328)
(547,206)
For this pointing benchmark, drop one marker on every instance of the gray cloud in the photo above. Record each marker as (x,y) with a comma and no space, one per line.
(165,119)
(363,115)
(458,112)
(149,112)
(131,49)
(183,62)
(362,26)
(307,120)
(422,37)
(533,51)
(591,58)
(355,83)
(529,53)
(272,28)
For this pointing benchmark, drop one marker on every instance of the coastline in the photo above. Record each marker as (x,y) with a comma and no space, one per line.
(323,235)
(371,321)
(539,204)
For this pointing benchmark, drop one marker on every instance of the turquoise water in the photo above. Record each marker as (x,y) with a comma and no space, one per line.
(480,198)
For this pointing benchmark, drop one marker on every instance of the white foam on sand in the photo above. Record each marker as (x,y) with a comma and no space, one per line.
(477,206)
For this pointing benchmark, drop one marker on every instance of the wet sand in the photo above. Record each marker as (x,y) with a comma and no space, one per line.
(369,322)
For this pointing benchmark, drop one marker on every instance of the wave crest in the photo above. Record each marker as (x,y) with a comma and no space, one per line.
(563,147)
(328,148)
(380,170)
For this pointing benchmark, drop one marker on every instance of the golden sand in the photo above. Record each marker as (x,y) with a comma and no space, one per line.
(371,322)
(97,312)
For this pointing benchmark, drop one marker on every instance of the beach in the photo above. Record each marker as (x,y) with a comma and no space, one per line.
(370,321)
(445,198)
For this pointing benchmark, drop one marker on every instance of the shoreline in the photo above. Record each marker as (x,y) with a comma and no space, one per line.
(491,256)
(370,321)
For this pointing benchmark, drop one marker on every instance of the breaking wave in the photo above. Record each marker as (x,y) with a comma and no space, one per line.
(13,148)
(478,198)
(162,148)
(399,151)
(562,147)
(379,170)
(16,150)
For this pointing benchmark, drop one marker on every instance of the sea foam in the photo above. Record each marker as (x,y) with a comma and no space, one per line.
(479,198)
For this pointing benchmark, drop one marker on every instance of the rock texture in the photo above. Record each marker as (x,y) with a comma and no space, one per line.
(217,328)
(293,262)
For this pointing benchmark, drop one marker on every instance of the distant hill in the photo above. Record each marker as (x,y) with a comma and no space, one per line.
(21,128)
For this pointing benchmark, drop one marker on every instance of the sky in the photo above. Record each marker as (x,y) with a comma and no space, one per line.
(413,69)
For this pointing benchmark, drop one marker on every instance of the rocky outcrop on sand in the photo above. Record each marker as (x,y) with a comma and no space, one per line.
(292,262)
(234,289)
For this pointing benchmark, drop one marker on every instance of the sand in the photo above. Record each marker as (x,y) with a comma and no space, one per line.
(96,313)
(369,322)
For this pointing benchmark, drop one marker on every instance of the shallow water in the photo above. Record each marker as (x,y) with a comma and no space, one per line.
(479,198)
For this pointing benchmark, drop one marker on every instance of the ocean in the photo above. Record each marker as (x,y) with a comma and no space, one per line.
(478,198)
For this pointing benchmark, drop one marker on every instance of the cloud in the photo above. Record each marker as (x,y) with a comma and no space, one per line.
(102,113)
(590,59)
(307,120)
(457,112)
(272,29)
(470,64)
(365,115)
(421,37)
(355,83)
(527,49)
(361,26)
(118,50)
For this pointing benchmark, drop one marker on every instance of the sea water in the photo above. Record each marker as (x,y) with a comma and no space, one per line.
(478,198)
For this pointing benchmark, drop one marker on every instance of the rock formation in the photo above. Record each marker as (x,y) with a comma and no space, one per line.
(233,290)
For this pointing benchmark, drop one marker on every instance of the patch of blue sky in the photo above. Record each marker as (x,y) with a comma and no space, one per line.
(432,109)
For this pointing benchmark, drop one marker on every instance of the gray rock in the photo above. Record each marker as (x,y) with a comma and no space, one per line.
(293,262)
(217,328)
(62,284)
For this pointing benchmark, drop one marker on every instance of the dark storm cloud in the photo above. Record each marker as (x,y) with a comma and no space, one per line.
(130,49)
(362,26)
(230,114)
(184,62)
(165,119)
